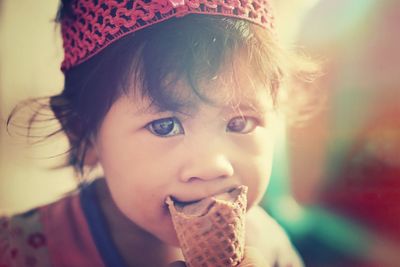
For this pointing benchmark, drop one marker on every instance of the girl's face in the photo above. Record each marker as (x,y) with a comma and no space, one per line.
(206,149)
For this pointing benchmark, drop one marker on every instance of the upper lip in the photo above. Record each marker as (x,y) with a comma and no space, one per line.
(176,198)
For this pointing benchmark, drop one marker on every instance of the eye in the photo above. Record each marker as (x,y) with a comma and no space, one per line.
(242,125)
(165,127)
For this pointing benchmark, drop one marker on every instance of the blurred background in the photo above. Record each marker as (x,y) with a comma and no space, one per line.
(336,180)
(30,55)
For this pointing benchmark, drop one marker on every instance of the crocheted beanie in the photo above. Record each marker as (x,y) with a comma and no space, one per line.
(94,24)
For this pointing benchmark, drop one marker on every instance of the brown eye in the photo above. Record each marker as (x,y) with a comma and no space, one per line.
(165,127)
(241,125)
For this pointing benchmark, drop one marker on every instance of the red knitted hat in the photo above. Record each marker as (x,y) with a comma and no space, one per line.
(94,24)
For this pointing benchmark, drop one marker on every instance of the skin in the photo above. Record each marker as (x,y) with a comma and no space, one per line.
(210,150)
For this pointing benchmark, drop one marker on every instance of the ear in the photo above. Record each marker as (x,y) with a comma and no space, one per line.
(91,157)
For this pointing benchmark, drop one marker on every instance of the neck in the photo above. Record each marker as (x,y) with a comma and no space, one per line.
(136,246)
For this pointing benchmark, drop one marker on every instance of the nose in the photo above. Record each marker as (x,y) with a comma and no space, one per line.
(206,162)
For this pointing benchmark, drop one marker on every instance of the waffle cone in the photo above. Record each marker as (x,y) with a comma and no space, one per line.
(215,238)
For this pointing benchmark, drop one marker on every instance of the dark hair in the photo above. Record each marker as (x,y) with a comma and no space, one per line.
(192,48)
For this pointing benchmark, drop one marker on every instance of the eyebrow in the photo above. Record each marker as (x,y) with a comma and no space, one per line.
(153,109)
(190,109)
(248,105)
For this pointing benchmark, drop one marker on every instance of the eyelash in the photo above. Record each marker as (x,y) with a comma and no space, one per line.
(250,124)
(173,129)
(171,126)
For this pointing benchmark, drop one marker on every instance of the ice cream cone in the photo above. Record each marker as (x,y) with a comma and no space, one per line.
(211,232)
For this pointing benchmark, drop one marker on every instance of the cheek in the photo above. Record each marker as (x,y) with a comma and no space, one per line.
(139,172)
(138,157)
(259,178)
(146,210)
(256,163)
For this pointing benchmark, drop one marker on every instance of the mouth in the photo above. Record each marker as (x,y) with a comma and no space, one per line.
(180,203)
(200,207)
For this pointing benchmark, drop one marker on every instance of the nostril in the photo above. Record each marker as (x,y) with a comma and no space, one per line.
(232,189)
(192,179)
(203,178)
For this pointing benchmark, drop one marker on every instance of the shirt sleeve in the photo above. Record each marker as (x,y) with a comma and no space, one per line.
(5,246)
(22,242)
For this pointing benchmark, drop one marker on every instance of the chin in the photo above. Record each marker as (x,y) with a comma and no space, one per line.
(165,232)
(169,238)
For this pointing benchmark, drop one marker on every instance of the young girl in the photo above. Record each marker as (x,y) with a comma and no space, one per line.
(171,98)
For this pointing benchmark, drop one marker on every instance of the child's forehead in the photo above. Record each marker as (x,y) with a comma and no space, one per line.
(237,83)
(226,90)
